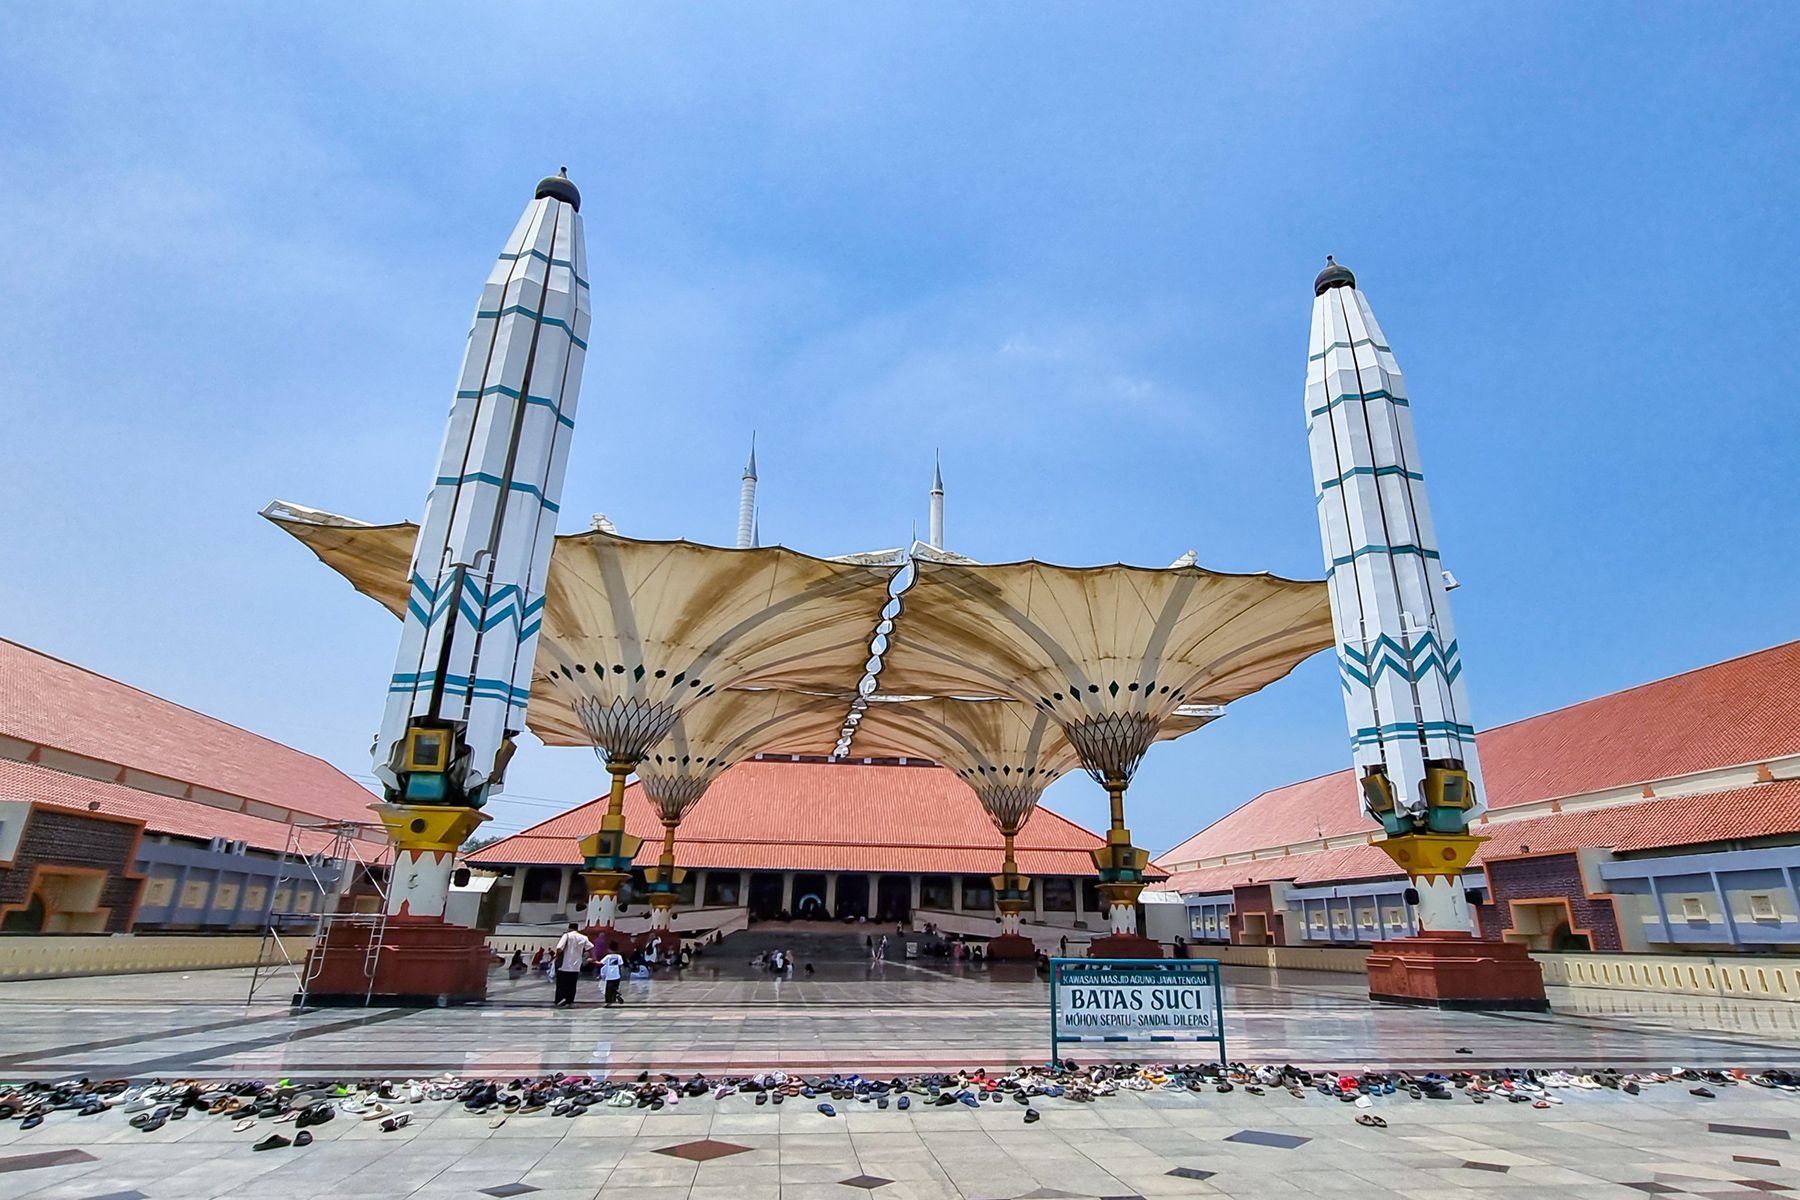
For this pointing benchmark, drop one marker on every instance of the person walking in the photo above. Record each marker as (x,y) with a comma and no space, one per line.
(612,969)
(571,954)
(881,949)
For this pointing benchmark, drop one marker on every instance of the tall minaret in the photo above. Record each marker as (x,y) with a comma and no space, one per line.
(468,640)
(1398,659)
(937,503)
(747,501)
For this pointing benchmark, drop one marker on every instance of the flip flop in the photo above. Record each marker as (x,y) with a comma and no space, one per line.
(1371,1120)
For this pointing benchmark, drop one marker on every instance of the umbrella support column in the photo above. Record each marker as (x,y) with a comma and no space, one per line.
(608,854)
(1012,896)
(1121,866)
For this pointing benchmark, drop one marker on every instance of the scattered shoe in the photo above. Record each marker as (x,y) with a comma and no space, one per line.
(273,1142)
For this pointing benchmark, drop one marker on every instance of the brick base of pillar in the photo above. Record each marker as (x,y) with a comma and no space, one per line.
(1124,945)
(1456,970)
(1011,947)
(419,964)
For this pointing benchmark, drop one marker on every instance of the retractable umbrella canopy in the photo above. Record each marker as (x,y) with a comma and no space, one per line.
(1006,750)
(1108,653)
(724,729)
(637,632)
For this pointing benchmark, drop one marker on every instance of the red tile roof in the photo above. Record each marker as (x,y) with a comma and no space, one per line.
(47,702)
(1744,710)
(1737,814)
(160,814)
(1339,865)
(818,816)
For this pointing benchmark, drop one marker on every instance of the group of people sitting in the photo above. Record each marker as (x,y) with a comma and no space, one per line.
(953,948)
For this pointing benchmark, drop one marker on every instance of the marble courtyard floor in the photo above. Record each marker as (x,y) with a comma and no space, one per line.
(1596,1144)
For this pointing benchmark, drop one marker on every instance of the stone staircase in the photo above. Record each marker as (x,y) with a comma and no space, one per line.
(810,941)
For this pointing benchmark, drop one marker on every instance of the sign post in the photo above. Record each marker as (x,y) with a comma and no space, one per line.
(1136,1000)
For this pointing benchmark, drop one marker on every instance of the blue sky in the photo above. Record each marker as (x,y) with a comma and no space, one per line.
(1071,244)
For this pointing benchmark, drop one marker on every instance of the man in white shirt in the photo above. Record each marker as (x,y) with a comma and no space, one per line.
(571,954)
(612,969)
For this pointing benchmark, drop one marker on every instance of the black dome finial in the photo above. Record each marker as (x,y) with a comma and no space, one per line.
(1335,274)
(559,187)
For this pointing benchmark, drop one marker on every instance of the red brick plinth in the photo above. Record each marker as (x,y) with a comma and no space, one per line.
(420,963)
(1455,970)
(1124,945)
(602,934)
(1011,946)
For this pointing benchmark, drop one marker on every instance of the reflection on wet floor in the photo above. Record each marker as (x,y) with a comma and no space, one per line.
(727,1015)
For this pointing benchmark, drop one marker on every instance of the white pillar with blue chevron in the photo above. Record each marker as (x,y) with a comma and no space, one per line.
(1398,660)
(469,637)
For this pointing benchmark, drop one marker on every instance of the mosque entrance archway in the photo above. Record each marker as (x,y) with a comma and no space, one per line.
(852,896)
(764,900)
(893,898)
(809,896)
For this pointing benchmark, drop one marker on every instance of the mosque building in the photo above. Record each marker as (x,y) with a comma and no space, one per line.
(120,810)
(1661,818)
(805,836)
(1664,817)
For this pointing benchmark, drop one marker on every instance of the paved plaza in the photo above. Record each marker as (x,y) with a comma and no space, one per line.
(1595,1145)
(900,1017)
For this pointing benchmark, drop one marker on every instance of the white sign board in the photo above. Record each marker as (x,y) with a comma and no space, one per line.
(1135,1001)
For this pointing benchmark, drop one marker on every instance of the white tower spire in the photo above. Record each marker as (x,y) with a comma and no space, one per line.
(1398,659)
(747,501)
(469,637)
(937,501)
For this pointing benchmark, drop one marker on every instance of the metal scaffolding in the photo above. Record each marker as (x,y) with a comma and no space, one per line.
(328,872)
